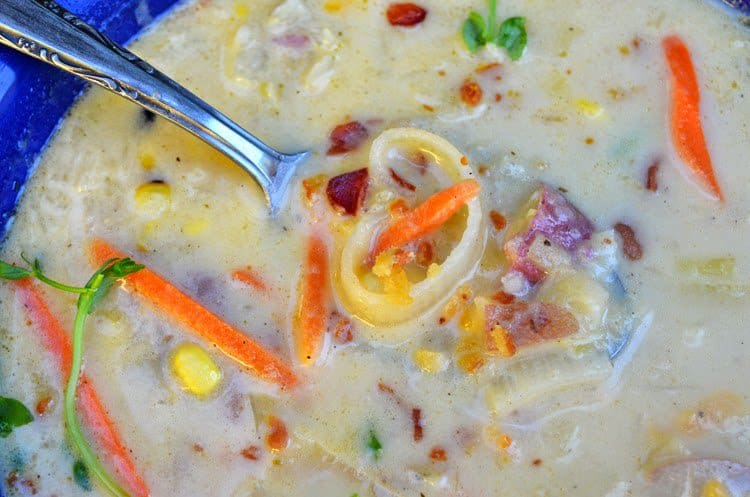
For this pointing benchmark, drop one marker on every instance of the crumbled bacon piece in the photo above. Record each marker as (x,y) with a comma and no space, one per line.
(500,341)
(251,452)
(401,181)
(405,14)
(528,323)
(343,332)
(471,93)
(197,448)
(503,297)
(498,220)
(416,419)
(311,186)
(277,437)
(652,172)
(425,254)
(346,192)
(537,462)
(347,137)
(631,247)
(438,454)
(464,160)
(43,406)
(20,484)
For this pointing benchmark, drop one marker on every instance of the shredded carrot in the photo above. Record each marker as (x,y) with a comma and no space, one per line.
(687,130)
(278,436)
(56,341)
(186,311)
(249,277)
(427,217)
(312,313)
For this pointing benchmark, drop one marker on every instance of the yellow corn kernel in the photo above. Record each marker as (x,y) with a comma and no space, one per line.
(502,342)
(429,361)
(241,10)
(471,362)
(384,263)
(335,5)
(195,227)
(397,287)
(590,108)
(153,198)
(456,303)
(714,488)
(472,320)
(194,369)
(147,161)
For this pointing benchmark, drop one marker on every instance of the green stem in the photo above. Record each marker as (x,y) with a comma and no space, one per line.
(85,301)
(491,19)
(60,286)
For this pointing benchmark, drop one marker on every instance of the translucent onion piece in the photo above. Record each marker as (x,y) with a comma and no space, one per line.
(390,322)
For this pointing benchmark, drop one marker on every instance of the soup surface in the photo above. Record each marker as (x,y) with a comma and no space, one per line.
(492,277)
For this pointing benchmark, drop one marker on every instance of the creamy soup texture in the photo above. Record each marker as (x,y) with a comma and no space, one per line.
(492,277)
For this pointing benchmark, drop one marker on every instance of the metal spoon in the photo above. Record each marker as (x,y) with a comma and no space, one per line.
(46,31)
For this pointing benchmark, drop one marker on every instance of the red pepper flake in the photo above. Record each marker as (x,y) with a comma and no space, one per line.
(198,448)
(464,161)
(343,332)
(487,67)
(442,320)
(498,220)
(405,14)
(398,207)
(438,454)
(401,181)
(278,437)
(482,170)
(251,452)
(416,419)
(428,108)
(441,73)
(636,42)
(425,253)
(383,388)
(537,462)
(631,247)
(471,93)
(347,137)
(503,298)
(249,277)
(20,484)
(498,97)
(346,192)
(652,183)
(43,406)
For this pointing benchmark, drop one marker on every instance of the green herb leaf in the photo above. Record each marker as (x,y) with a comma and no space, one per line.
(474,32)
(12,415)
(81,475)
(122,268)
(512,36)
(374,445)
(11,272)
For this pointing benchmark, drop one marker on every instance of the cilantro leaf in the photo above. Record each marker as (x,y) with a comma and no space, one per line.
(10,272)
(374,445)
(12,415)
(512,36)
(81,475)
(474,32)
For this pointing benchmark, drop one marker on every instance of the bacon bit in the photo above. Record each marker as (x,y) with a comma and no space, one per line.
(438,454)
(425,253)
(20,484)
(488,67)
(471,93)
(504,441)
(441,73)
(503,298)
(347,137)
(482,170)
(537,462)
(500,341)
(398,207)
(278,437)
(311,186)
(42,407)
(636,42)
(498,220)
(343,332)
(346,192)
(198,448)
(528,323)
(631,247)
(401,181)
(250,278)
(428,108)
(251,452)
(498,97)
(464,161)
(405,14)
(416,419)
(651,177)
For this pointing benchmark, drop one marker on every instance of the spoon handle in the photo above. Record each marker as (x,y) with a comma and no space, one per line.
(46,31)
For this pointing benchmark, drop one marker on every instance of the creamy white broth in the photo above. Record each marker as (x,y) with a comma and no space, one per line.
(584,109)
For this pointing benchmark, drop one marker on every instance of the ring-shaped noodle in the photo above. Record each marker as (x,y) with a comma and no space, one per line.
(384,320)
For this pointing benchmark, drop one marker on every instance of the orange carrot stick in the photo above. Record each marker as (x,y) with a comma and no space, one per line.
(427,217)
(250,278)
(312,312)
(687,130)
(56,341)
(186,311)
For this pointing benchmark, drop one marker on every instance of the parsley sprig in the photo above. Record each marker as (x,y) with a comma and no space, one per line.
(88,296)
(511,34)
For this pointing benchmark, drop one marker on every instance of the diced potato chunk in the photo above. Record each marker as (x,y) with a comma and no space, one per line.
(580,294)
(194,369)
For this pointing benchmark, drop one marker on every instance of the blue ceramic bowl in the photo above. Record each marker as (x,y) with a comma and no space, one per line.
(34,97)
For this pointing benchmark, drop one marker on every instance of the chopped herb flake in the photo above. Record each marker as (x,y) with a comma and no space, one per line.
(81,475)
(12,415)
(374,445)
(511,34)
